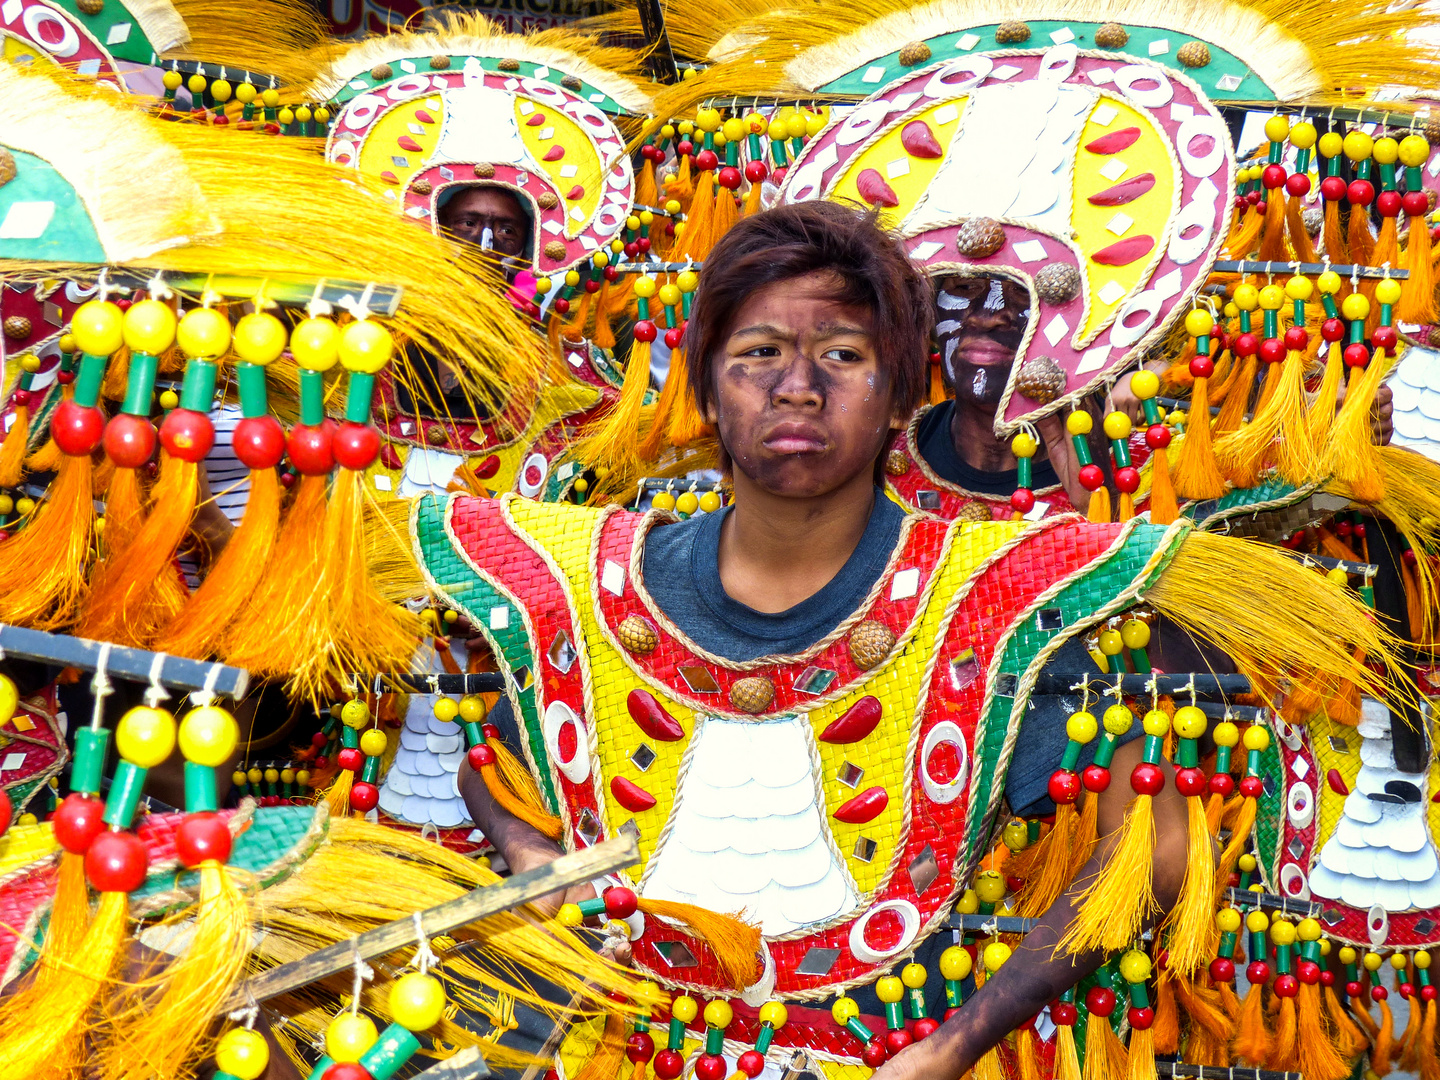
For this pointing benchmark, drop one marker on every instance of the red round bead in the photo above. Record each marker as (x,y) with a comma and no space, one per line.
(706,160)
(674,336)
(874,1053)
(729,178)
(925,1027)
(645,331)
(778,177)
(684,147)
(1379,993)
(1252,787)
(1427,993)
(1140,1016)
(1190,782)
(259,442)
(897,1039)
(1201,367)
(1241,203)
(1360,530)
(1388,203)
(1327,977)
(1222,969)
(187,435)
(612,273)
(7,811)
(65,378)
(1407,990)
(347,1070)
(287,479)
(319,740)
(1385,338)
(201,838)
(1297,184)
(1095,778)
(1147,779)
(1273,177)
(1308,972)
(310,448)
(116,862)
(1064,787)
(710,1067)
(77,822)
(1064,1013)
(1332,330)
(1092,477)
(77,429)
(561,305)
(751,1062)
(1360,192)
(1253,198)
(1272,350)
(1022,500)
(1352,989)
(1100,1001)
(1246,344)
(1296,339)
(1357,355)
(1257,971)
(620,902)
(591,285)
(1332,188)
(480,756)
(1414,203)
(129,440)
(643,244)
(668,1064)
(1223,784)
(1157,436)
(756,171)
(951,1012)
(20,397)
(356,446)
(351,757)
(1127,479)
(632,249)
(364,796)
(490,731)
(1287,986)
(639,1047)
(1261,207)
(1343,529)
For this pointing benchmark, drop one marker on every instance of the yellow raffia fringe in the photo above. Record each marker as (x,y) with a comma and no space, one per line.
(613,441)
(1417,300)
(1141,1058)
(1351,457)
(45,560)
(1196,474)
(1113,908)
(1193,917)
(1103,1051)
(1067,1060)
(1099,510)
(1322,410)
(1242,454)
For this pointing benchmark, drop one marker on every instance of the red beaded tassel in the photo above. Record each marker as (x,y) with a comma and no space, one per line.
(1053,864)
(1252,1037)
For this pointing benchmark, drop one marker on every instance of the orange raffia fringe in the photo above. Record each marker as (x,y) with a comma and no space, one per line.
(1192,919)
(1166,1026)
(1387,247)
(1141,1057)
(1350,1039)
(124,515)
(1252,1037)
(1239,835)
(543,821)
(1241,455)
(1319,1057)
(1283,1054)
(1103,1051)
(12,452)
(1237,399)
(1163,508)
(1272,235)
(1417,300)
(1383,1045)
(1099,511)
(1295,455)
(1026,1054)
(735,942)
(1411,1035)
(752,199)
(1243,242)
(1332,235)
(1197,476)
(1114,906)
(44,561)
(197,630)
(646,193)
(1351,457)
(611,442)
(1300,241)
(1048,871)
(1426,1057)
(1362,240)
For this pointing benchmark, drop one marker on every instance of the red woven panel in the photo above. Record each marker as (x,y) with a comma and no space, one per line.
(953,499)
(20,898)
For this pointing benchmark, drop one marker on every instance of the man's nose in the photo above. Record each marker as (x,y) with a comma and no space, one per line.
(799,386)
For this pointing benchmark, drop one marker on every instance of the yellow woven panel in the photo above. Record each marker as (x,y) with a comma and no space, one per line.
(25,844)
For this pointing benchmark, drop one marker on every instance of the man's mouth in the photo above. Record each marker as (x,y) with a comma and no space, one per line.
(985,351)
(795,438)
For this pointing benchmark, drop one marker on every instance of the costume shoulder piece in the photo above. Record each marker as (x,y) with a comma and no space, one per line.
(812,791)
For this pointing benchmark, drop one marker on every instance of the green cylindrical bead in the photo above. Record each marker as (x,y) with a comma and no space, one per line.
(894,1016)
(1023,472)
(197,393)
(1222,758)
(642,307)
(1139,999)
(767,1033)
(916,997)
(954,993)
(392,1050)
(677,1034)
(859,1030)
(1282,959)
(714,1040)
(91,745)
(312,397)
(1154,749)
(362,393)
(326,1060)
(254,401)
(1082,449)
(199,788)
(777,152)
(1141,660)
(1327,300)
(1228,941)
(1188,753)
(1252,762)
(370,772)
(1105,752)
(349,737)
(124,795)
(593,906)
(1272,323)
(140,385)
(1071,757)
(474,733)
(1259,945)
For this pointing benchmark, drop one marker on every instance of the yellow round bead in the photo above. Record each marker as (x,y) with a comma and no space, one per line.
(1272,298)
(1228,920)
(889,989)
(1189,722)
(7,504)
(1155,723)
(1135,966)
(30,362)
(814,124)
(710,502)
(245,93)
(688,503)
(1358,146)
(472,708)
(203,332)
(315,344)
(196,83)
(1247,297)
(913,975)
(302,113)
(719,1013)
(1387,291)
(1111,643)
(645,286)
(708,119)
(349,1036)
(1135,633)
(365,346)
(24,504)
(1226,734)
(287,776)
(242,1053)
(1257,738)
(1329,282)
(543,284)
(663,500)
(271,97)
(1079,422)
(572,278)
(1247,863)
(1277,127)
(778,130)
(1303,135)
(670,294)
(417,1001)
(774,1013)
(1325,947)
(1282,932)
(445,709)
(145,736)
(1118,719)
(255,775)
(668,131)
(149,327)
(302,777)
(996,953)
(1386,151)
(286,115)
(684,1008)
(1309,930)
(238,777)
(687,280)
(1145,384)
(1015,835)
(1024,445)
(451,617)
(955,964)
(66,343)
(1414,151)
(632,222)
(272,774)
(1081,727)
(844,1010)
(1347,954)
(1299,287)
(355,713)
(373,743)
(1422,959)
(1257,922)
(570,915)
(1331,143)
(169,400)
(208,735)
(990,886)
(734,128)
(1117,426)
(1398,961)
(171,80)
(1198,322)
(1373,961)
(795,125)
(9,699)
(968,904)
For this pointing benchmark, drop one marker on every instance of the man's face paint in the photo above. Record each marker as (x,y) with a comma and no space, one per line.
(980,323)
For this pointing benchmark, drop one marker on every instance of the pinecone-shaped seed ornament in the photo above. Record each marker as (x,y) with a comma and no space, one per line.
(17,327)
(917,52)
(974,511)
(380,72)
(1041,380)
(637,635)
(752,694)
(1058,283)
(1193,54)
(1112,36)
(1012,32)
(980,237)
(897,463)
(870,643)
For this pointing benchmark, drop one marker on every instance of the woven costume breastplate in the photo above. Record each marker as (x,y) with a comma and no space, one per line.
(817,792)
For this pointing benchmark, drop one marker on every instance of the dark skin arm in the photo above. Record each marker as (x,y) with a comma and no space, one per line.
(1035,975)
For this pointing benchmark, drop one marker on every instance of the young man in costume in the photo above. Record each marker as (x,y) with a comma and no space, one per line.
(807,334)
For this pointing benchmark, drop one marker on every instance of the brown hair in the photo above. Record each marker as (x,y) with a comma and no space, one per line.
(803,238)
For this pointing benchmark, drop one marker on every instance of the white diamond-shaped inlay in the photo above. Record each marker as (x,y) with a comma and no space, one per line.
(542,72)
(1093,360)
(1100,76)
(898,167)
(1159,47)
(10,10)
(547,133)
(928,249)
(1111,293)
(1063,36)
(500,618)
(119,32)
(873,74)
(1056,329)
(1181,112)
(612,577)
(967,42)
(576,214)
(526,107)
(569,171)
(1229,82)
(946,114)
(12,762)
(1005,71)
(407,66)
(597,98)
(27,220)
(905,583)
(1113,169)
(1104,116)
(1120,224)
(1030,251)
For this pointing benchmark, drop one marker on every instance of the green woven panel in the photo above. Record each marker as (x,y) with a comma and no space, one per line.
(363,82)
(49,207)
(1269,808)
(1078,601)
(476,597)
(1266,493)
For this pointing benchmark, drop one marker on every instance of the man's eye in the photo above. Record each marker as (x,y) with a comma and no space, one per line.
(848,356)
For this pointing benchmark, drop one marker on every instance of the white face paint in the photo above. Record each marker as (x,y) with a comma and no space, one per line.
(487,240)
(978,383)
(950,302)
(995,298)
